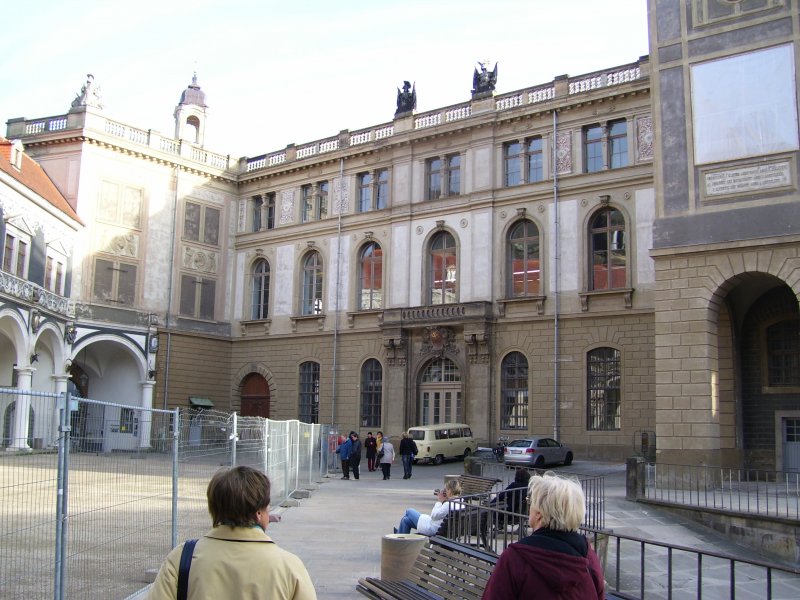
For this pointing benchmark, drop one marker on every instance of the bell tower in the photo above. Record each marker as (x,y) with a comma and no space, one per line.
(190,114)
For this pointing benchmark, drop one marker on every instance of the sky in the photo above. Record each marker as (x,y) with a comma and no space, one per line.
(277,73)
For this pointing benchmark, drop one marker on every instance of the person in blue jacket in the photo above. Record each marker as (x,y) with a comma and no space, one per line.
(344,451)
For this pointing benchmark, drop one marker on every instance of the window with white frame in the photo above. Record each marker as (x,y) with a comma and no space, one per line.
(522,161)
(55,267)
(523,263)
(443,269)
(370,277)
(308,409)
(312,284)
(201,223)
(514,391)
(373,190)
(263,207)
(371,393)
(260,292)
(609,261)
(605,146)
(603,386)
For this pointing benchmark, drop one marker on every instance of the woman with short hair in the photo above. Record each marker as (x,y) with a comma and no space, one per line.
(555,561)
(430,524)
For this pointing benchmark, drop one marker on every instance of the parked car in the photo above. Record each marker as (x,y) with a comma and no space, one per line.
(445,440)
(537,452)
(483,453)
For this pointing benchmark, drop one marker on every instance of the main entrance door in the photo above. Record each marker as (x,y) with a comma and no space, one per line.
(255,396)
(440,393)
(791,444)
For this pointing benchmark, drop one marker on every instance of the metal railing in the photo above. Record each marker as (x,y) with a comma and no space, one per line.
(748,491)
(637,568)
(94,494)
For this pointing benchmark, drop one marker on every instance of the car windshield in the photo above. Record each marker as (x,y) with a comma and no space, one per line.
(520,444)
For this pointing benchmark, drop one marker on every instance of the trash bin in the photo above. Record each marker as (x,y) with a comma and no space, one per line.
(398,553)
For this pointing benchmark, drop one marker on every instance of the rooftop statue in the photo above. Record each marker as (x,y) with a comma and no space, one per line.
(406,99)
(484,81)
(89,96)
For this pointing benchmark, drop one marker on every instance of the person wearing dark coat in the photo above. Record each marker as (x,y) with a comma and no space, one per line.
(355,454)
(555,562)
(371,446)
(512,498)
(408,450)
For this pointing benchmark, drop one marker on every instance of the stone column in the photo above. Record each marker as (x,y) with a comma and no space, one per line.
(146,416)
(19,435)
(395,387)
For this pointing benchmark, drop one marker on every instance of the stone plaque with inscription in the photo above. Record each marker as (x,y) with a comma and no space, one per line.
(748,179)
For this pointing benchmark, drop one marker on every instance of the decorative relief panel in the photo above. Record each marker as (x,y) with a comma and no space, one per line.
(438,341)
(644,138)
(287,207)
(564,153)
(200,260)
(341,196)
(241,226)
(705,12)
(119,243)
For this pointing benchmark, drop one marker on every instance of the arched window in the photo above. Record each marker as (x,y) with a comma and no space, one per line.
(443,269)
(370,293)
(371,393)
(442,370)
(603,385)
(260,297)
(514,391)
(308,409)
(312,284)
(608,250)
(523,260)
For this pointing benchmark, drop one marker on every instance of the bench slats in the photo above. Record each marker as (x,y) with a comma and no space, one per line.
(444,570)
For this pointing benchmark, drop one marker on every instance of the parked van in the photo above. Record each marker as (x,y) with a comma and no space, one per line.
(445,440)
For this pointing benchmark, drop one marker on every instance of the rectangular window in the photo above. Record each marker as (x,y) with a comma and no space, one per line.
(309,393)
(593,148)
(513,172)
(315,201)
(120,205)
(258,206)
(434,187)
(16,250)
(271,210)
(454,175)
(382,200)
(364,192)
(373,190)
(114,282)
(603,389)
(535,163)
(197,297)
(54,274)
(201,224)
(128,423)
(618,144)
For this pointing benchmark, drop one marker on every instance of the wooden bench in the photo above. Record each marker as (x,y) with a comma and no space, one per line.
(444,569)
(475,484)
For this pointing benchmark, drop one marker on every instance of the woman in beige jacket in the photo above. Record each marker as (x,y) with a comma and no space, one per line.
(237,559)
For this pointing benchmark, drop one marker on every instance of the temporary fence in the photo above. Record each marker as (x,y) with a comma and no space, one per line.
(95,494)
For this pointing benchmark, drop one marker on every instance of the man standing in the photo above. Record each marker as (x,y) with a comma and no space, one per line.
(386,457)
(370,444)
(355,453)
(408,450)
(344,454)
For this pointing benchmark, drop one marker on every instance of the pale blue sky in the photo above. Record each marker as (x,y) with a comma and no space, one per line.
(276,73)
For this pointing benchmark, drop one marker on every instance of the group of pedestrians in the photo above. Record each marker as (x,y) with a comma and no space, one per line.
(380,453)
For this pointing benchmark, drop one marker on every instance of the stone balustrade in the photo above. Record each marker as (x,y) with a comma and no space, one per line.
(31,292)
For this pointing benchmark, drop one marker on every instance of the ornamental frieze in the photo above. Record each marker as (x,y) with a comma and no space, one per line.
(287,206)
(438,341)
(196,259)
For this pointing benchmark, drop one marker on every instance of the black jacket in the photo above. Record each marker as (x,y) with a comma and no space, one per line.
(408,446)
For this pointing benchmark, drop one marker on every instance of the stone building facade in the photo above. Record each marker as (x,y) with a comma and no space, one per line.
(600,259)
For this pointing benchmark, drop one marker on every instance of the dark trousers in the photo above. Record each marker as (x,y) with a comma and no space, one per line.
(387,470)
(408,460)
(346,468)
(370,463)
(354,464)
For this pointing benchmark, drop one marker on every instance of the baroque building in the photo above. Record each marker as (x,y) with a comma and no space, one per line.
(601,259)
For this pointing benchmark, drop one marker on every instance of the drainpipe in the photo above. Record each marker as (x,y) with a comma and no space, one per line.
(336,303)
(557,279)
(169,289)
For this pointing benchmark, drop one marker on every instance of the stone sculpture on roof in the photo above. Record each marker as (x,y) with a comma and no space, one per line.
(484,82)
(89,95)
(406,99)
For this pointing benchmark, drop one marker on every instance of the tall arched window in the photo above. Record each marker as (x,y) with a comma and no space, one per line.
(608,250)
(443,269)
(514,408)
(523,260)
(371,393)
(312,284)
(603,385)
(308,409)
(370,293)
(260,297)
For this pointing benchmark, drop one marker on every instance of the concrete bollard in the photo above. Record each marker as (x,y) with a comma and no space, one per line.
(398,553)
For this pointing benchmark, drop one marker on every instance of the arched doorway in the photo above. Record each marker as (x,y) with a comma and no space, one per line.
(440,393)
(255,396)
(8,424)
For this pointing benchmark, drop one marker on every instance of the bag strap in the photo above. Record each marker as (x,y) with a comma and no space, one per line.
(183,569)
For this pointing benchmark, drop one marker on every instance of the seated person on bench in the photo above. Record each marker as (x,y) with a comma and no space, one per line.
(429,524)
(512,499)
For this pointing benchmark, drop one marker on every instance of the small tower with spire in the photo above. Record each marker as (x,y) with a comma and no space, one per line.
(190,114)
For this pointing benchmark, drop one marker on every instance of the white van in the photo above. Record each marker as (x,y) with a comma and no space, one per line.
(445,440)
